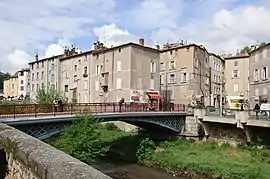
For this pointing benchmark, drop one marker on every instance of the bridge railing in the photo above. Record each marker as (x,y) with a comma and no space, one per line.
(34,110)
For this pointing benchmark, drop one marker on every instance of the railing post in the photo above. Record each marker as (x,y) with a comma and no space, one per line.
(35,108)
(14,111)
(54,110)
(114,107)
(125,107)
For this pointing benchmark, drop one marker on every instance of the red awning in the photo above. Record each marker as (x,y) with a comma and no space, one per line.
(135,98)
(154,96)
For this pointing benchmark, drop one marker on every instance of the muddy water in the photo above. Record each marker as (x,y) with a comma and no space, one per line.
(123,170)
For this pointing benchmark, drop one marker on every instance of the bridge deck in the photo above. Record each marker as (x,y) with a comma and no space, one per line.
(99,115)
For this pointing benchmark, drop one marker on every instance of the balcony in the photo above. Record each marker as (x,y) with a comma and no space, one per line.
(104,79)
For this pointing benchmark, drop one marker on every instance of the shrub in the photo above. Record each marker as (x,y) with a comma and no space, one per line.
(46,96)
(145,149)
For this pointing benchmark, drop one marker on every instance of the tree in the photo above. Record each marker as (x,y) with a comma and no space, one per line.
(3,77)
(46,96)
(246,49)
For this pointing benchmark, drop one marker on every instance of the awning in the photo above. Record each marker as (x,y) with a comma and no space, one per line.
(135,98)
(154,96)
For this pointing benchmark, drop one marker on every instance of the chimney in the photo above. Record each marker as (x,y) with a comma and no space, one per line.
(95,46)
(158,47)
(141,41)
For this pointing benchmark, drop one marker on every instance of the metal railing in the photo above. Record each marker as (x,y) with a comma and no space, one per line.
(259,114)
(34,110)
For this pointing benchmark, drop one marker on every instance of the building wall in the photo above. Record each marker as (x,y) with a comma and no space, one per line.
(72,81)
(190,68)
(44,73)
(127,70)
(217,65)
(11,87)
(240,63)
(260,82)
(23,83)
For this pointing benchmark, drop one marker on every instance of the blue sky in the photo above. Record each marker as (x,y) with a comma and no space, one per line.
(221,25)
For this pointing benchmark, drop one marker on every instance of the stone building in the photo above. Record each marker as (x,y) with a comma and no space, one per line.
(259,74)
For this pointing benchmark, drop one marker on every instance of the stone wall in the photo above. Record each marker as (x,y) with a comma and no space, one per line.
(30,158)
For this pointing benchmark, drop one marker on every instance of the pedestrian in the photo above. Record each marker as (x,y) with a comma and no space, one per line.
(121,102)
(60,104)
(55,105)
(257,109)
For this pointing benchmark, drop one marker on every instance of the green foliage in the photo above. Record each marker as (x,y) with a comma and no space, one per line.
(111,127)
(145,149)
(247,49)
(3,77)
(46,96)
(211,159)
(87,139)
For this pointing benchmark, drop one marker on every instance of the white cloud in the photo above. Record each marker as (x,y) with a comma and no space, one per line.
(226,30)
(27,24)
(17,60)
(112,35)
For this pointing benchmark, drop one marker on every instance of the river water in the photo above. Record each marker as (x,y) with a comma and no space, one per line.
(123,170)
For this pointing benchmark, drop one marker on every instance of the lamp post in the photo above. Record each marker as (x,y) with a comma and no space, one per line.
(221,95)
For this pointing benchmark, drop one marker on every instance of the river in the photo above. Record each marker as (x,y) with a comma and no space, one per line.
(124,170)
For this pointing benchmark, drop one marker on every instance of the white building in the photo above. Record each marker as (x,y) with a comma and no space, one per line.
(24,83)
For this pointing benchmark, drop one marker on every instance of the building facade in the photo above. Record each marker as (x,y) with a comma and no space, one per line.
(259,76)
(11,87)
(216,69)
(24,83)
(44,73)
(237,76)
(184,73)
(104,74)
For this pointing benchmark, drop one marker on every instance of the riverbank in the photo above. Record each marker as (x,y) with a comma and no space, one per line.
(90,141)
(209,160)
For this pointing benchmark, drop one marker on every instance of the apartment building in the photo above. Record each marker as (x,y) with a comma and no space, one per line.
(44,73)
(24,83)
(11,87)
(184,73)
(104,74)
(259,61)
(237,76)
(216,69)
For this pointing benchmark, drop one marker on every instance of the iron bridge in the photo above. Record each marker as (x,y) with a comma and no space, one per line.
(46,127)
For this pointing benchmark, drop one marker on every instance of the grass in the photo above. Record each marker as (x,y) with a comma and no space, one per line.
(211,160)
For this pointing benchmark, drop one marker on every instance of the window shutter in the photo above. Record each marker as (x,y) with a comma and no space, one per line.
(155,67)
(152,84)
(97,86)
(187,77)
(119,83)
(266,72)
(119,66)
(232,74)
(151,67)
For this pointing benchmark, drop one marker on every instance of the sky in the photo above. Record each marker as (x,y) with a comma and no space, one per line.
(31,26)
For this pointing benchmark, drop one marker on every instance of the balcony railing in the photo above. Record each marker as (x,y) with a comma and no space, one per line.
(34,110)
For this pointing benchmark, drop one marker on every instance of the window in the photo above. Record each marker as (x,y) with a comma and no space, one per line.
(97,69)
(22,88)
(37,65)
(264,53)
(37,87)
(162,79)
(42,85)
(12,86)
(52,67)
(256,75)
(236,74)
(152,67)
(152,84)
(97,85)
(171,52)
(37,75)
(52,78)
(118,83)
(21,82)
(172,65)
(33,87)
(256,92)
(75,67)
(162,66)
(184,77)
(66,88)
(172,78)
(264,73)
(33,76)
(85,84)
(264,91)
(42,75)
(235,63)
(21,73)
(235,87)
(42,64)
(75,78)
(32,66)
(85,71)
(119,65)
